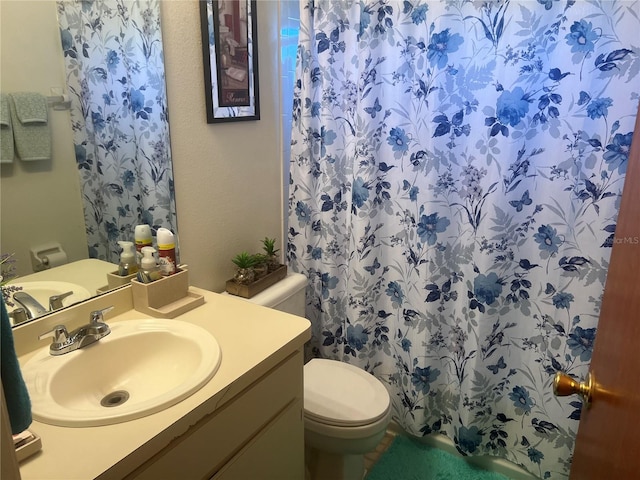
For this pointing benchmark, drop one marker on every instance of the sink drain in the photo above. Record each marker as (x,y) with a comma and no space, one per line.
(115,399)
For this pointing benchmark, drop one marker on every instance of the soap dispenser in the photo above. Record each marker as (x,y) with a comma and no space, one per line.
(128,264)
(149,271)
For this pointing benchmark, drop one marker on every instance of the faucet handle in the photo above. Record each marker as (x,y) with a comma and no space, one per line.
(19,315)
(97,316)
(55,301)
(59,334)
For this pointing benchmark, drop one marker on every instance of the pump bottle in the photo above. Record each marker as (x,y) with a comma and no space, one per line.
(128,264)
(148,269)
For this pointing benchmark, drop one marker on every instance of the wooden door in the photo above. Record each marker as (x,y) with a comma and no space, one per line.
(608,442)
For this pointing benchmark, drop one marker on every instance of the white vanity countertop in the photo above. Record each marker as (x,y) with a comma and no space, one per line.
(252,339)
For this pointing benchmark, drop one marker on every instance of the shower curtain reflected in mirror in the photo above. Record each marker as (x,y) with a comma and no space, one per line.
(456,170)
(115,77)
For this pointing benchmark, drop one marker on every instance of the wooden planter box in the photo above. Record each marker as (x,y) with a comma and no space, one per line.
(248,291)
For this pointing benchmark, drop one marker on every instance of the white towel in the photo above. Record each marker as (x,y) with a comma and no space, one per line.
(30,126)
(6,132)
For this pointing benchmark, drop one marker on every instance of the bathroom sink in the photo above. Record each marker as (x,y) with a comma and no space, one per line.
(143,366)
(43,290)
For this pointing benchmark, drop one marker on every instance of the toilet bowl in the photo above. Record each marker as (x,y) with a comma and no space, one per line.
(346,413)
(346,410)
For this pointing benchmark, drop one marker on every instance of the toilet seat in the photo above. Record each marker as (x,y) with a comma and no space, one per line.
(339,394)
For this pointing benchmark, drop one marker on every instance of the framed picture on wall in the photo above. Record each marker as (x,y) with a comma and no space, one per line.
(230,55)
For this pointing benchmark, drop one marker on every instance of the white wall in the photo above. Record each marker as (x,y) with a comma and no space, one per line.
(228,176)
(39,201)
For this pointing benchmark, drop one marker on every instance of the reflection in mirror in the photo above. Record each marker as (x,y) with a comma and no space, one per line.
(114,69)
(40,201)
(115,134)
(32,296)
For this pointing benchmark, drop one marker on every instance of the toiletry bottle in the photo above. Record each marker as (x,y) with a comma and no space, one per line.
(148,269)
(128,264)
(143,238)
(166,251)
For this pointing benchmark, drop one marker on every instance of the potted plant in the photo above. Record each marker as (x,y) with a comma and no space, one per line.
(270,252)
(8,272)
(262,265)
(246,263)
(256,272)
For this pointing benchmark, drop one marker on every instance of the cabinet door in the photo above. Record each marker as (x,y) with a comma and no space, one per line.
(275,453)
(207,446)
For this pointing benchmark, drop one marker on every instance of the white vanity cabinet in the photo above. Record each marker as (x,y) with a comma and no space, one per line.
(258,434)
(245,423)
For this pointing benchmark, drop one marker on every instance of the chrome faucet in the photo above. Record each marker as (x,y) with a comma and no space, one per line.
(33,308)
(65,342)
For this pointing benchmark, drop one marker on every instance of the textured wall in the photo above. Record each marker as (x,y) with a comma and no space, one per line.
(41,201)
(228,176)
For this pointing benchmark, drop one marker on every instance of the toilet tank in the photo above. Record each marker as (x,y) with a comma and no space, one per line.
(288,295)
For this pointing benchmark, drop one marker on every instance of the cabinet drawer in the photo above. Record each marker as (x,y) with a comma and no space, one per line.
(206,446)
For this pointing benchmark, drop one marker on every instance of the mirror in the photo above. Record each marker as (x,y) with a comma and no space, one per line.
(41,201)
(58,287)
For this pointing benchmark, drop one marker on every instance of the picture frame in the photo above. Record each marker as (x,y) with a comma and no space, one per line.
(230,56)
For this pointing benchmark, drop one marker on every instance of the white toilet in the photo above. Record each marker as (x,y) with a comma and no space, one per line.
(346,410)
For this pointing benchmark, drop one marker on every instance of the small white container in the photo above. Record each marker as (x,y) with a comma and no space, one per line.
(143,238)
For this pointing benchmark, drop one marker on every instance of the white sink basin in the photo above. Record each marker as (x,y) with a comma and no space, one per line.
(140,368)
(43,290)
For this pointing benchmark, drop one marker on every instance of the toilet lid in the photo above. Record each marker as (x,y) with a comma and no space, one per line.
(337,393)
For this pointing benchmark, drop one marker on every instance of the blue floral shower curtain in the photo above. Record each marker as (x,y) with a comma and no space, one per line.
(115,76)
(456,170)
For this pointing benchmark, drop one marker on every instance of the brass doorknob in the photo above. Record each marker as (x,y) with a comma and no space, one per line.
(564,385)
